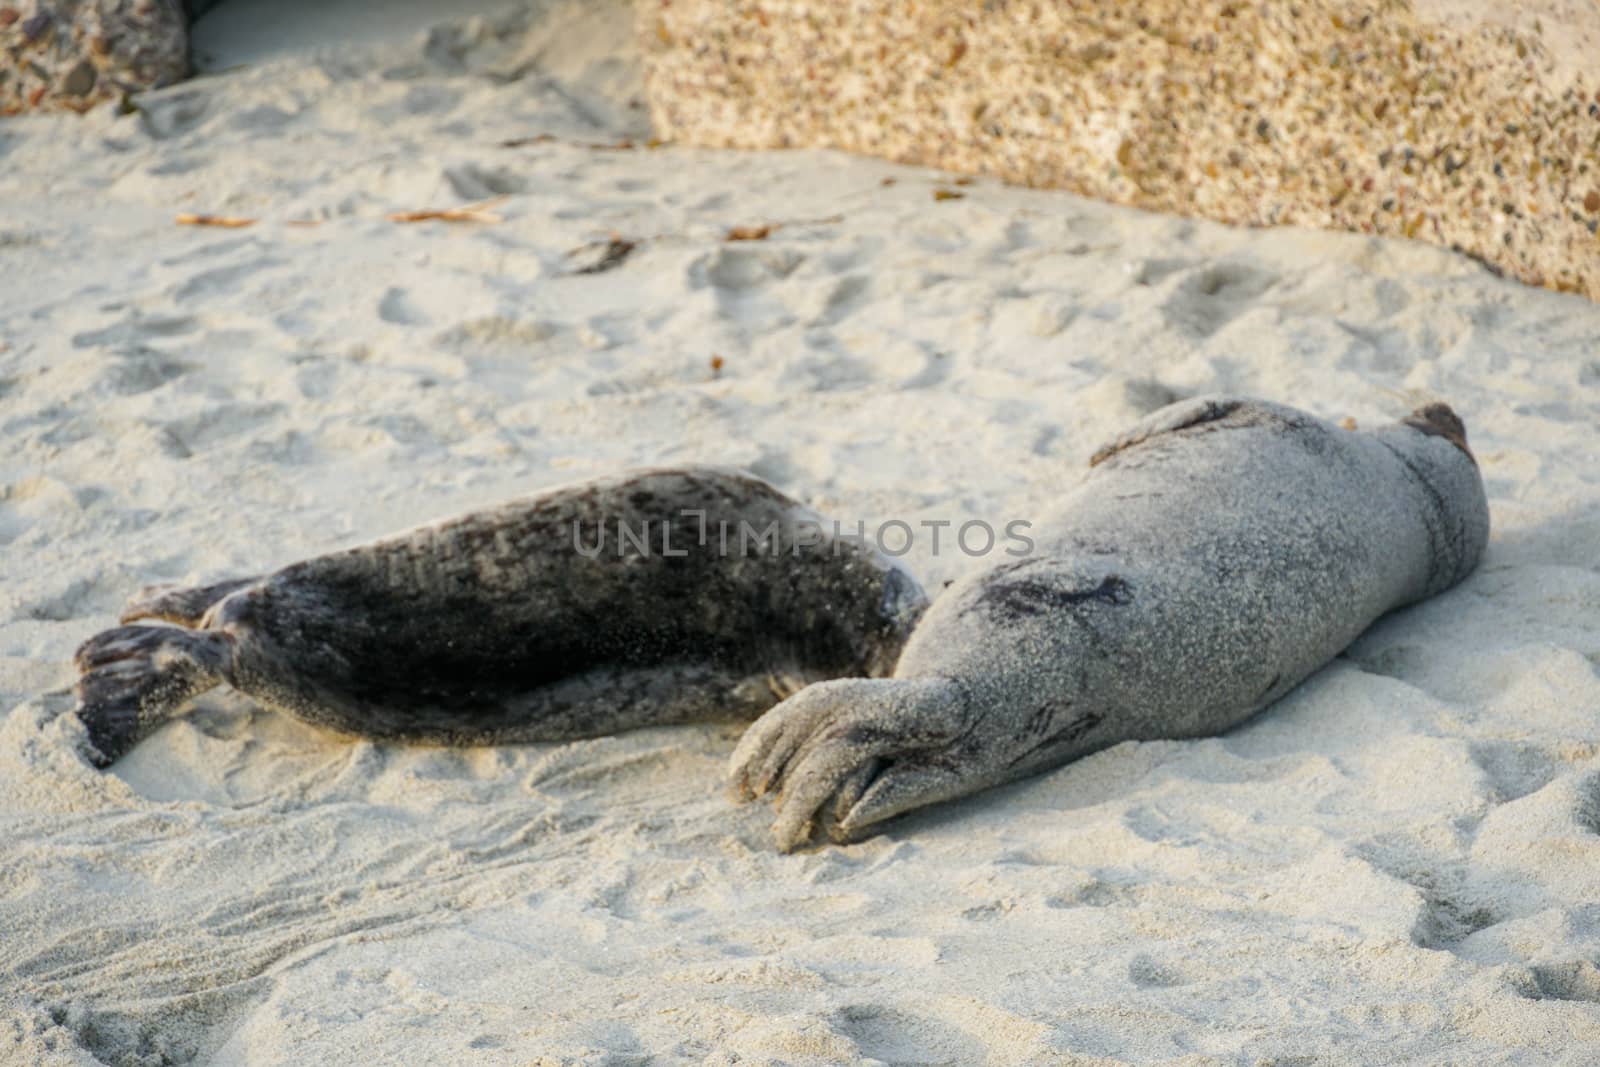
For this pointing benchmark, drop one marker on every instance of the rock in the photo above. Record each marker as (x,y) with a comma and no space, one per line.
(75,53)
(80,79)
(1469,125)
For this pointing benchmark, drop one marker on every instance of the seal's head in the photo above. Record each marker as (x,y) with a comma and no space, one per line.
(1432,443)
(1439,420)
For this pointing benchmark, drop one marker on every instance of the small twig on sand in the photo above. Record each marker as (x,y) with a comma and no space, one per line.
(229,222)
(478,212)
(767,229)
(611,252)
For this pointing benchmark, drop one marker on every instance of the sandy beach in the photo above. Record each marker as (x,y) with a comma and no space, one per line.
(1397,863)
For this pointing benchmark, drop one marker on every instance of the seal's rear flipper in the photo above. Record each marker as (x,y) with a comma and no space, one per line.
(1200,413)
(134,678)
(184,605)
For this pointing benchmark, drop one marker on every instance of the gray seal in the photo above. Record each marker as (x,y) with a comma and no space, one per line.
(655,596)
(1213,557)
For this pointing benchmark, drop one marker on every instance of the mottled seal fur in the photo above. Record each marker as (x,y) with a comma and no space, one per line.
(519,624)
(1214,556)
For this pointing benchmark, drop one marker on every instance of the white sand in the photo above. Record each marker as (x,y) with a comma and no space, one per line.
(1398,863)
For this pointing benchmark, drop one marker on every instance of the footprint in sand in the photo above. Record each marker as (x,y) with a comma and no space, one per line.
(1208,298)
(173,115)
(894,1036)
(135,327)
(734,269)
(219,281)
(141,369)
(398,308)
(473,181)
(831,301)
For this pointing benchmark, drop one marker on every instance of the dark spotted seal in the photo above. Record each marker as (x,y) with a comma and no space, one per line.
(1214,556)
(656,596)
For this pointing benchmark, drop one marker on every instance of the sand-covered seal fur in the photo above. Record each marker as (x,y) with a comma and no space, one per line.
(1214,556)
(712,595)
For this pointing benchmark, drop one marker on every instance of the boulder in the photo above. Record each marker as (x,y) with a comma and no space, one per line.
(1464,123)
(75,53)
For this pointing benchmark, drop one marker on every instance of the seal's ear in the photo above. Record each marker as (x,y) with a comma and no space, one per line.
(1438,420)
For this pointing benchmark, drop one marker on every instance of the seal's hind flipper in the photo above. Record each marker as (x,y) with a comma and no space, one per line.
(184,605)
(1212,412)
(134,678)
(1179,415)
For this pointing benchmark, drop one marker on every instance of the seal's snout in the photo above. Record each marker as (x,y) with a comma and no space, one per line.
(1439,420)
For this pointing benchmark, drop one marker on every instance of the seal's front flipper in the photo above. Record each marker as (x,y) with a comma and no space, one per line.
(184,605)
(853,752)
(134,678)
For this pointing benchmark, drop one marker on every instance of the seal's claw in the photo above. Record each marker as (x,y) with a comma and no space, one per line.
(135,677)
(827,750)
(899,789)
(110,646)
(814,783)
(184,605)
(772,742)
(849,795)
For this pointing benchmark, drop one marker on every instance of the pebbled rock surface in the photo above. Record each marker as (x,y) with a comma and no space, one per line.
(1469,126)
(73,54)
